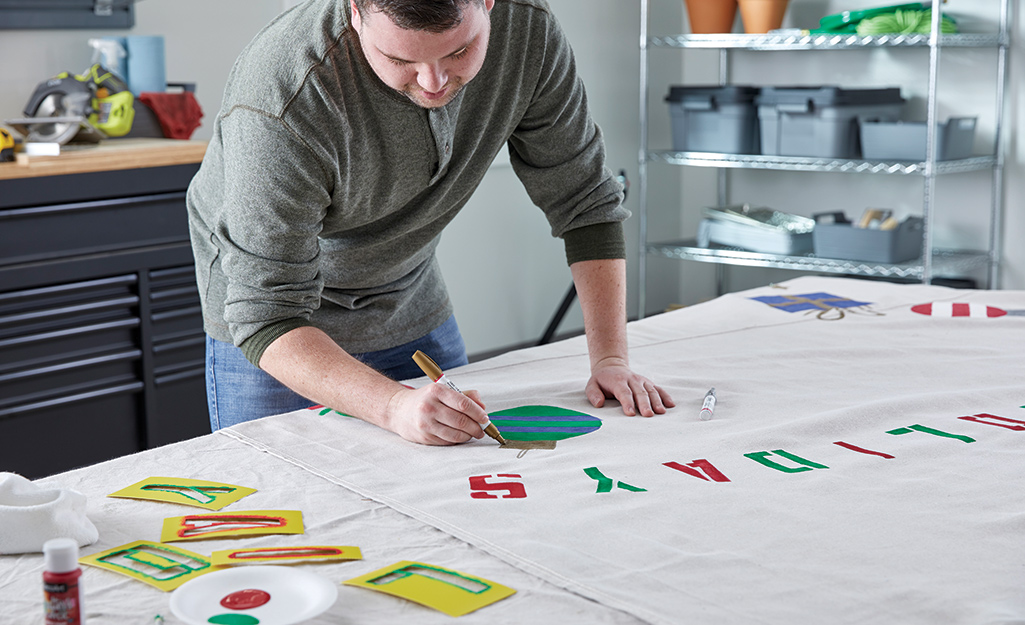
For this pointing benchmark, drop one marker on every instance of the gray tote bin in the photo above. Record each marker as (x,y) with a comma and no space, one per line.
(906,141)
(821,121)
(720,119)
(845,242)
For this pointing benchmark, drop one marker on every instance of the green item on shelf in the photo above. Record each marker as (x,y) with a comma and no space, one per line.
(905,23)
(847,21)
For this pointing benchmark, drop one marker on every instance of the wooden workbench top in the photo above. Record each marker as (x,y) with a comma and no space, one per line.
(105,156)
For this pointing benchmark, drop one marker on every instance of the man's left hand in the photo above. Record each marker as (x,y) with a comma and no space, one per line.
(613,379)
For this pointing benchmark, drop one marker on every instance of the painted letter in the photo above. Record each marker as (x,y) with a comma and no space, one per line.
(862,450)
(605,483)
(479,485)
(982,415)
(927,430)
(695,468)
(761,458)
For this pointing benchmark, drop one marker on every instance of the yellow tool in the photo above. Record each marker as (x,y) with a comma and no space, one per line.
(6,145)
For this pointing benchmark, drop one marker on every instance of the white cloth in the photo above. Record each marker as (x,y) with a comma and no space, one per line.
(331,516)
(931,535)
(30,515)
(841,496)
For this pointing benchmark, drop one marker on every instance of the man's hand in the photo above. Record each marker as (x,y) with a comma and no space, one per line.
(309,362)
(612,379)
(436,415)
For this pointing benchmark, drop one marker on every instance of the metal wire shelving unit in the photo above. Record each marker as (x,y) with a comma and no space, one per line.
(932,260)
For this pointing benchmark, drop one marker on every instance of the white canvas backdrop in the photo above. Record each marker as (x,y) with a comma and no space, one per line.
(812,532)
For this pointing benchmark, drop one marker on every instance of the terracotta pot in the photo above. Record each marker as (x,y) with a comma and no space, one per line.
(761,16)
(711,16)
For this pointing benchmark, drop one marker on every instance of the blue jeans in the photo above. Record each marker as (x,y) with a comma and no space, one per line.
(238,391)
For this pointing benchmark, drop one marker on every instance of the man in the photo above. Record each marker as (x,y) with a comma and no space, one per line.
(349,136)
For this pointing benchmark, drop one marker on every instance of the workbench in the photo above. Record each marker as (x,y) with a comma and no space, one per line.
(101,340)
(863,465)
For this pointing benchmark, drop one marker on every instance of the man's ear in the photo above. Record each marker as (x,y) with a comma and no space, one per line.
(488,5)
(356,19)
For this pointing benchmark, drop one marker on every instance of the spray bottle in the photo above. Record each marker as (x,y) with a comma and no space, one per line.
(111,54)
(61,591)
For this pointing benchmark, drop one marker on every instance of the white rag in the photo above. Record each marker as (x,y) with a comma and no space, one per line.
(32,515)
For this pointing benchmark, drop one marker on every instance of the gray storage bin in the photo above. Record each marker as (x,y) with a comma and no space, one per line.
(714,119)
(905,141)
(821,121)
(845,242)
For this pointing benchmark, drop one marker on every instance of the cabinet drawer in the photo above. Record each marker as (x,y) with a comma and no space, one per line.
(46,232)
(77,431)
(46,379)
(181,411)
(66,341)
(44,326)
(170,356)
(175,306)
(177,321)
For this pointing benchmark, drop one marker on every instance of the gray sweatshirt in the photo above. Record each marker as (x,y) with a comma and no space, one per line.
(323,192)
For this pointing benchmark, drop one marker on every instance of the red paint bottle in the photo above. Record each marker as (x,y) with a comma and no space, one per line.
(61,591)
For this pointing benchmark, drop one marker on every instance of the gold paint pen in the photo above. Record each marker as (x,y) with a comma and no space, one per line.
(435,373)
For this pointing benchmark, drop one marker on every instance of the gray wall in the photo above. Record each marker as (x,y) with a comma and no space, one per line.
(505,273)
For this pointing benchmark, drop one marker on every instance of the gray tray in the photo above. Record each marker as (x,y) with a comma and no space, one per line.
(905,141)
(844,241)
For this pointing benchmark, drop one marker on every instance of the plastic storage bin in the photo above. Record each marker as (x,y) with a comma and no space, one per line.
(845,242)
(714,119)
(759,229)
(905,141)
(821,121)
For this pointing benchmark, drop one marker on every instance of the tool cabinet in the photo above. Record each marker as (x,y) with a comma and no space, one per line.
(101,335)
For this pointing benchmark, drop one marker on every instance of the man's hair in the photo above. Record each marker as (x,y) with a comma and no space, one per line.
(434,16)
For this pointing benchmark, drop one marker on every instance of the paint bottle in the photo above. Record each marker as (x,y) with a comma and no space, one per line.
(61,590)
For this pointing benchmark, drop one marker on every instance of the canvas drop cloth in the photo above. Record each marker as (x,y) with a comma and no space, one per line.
(331,516)
(865,463)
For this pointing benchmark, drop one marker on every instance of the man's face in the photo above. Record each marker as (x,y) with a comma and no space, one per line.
(429,68)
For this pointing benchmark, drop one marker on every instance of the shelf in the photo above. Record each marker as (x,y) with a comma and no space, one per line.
(824,42)
(944,261)
(936,262)
(801,163)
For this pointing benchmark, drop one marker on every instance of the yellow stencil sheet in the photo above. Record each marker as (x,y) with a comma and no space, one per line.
(281,555)
(162,566)
(231,525)
(200,493)
(445,590)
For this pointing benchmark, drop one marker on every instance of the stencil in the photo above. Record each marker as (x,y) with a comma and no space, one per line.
(163,566)
(199,493)
(446,590)
(231,524)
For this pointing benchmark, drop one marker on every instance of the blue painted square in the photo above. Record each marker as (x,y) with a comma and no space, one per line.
(808,301)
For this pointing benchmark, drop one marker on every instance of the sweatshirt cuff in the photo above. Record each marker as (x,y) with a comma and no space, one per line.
(254,346)
(598,242)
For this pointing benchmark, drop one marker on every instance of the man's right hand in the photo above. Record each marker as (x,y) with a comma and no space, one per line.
(436,415)
(310,363)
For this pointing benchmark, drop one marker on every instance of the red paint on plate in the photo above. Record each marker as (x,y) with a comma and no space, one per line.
(245,599)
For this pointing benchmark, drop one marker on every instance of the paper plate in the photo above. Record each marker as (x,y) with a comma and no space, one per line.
(294,596)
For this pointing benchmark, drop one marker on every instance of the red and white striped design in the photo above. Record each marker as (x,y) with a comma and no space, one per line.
(958,309)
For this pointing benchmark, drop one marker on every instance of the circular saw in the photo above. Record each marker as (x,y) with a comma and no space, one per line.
(86,107)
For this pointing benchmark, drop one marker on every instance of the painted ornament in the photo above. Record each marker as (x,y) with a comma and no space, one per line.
(962,309)
(539,427)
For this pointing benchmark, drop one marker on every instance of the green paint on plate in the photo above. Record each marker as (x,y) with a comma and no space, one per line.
(233,619)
